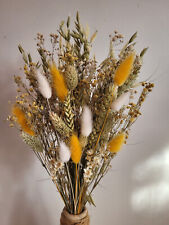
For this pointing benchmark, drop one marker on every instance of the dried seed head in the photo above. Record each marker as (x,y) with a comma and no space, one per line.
(71,77)
(59,125)
(32,141)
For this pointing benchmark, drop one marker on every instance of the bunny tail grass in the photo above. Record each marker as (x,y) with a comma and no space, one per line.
(22,120)
(75,149)
(116,143)
(124,70)
(59,84)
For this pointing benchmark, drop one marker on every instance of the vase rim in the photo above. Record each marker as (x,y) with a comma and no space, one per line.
(76,216)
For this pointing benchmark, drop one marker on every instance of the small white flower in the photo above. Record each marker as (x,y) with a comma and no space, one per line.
(87,180)
(87,174)
(97,160)
(89,164)
(90,152)
(58,165)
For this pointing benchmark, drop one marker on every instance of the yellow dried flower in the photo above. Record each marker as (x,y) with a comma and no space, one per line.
(124,70)
(58,83)
(29,114)
(116,143)
(22,120)
(132,119)
(75,148)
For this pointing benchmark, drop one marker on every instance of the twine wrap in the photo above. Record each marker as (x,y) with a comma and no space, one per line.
(70,219)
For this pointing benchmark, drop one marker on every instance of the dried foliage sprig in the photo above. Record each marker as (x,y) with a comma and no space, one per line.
(76,114)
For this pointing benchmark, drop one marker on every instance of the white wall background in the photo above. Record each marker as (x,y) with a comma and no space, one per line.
(136,191)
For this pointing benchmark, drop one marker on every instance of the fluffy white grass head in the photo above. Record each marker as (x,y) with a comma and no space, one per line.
(43,85)
(120,101)
(86,121)
(64,152)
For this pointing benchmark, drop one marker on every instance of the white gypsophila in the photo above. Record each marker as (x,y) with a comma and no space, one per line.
(89,165)
(58,165)
(103,150)
(43,85)
(52,170)
(55,166)
(90,152)
(120,101)
(64,152)
(87,174)
(86,121)
(97,160)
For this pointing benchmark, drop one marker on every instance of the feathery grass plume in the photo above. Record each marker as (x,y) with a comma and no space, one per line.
(120,101)
(59,125)
(116,143)
(71,77)
(124,69)
(43,85)
(64,152)
(75,148)
(22,120)
(59,84)
(32,141)
(86,121)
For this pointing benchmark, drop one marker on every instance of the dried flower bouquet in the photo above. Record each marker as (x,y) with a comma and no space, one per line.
(75,114)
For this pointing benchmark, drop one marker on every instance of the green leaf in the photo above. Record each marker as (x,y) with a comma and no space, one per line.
(77,17)
(20,49)
(143,52)
(24,57)
(133,37)
(90,200)
(29,58)
(68,21)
